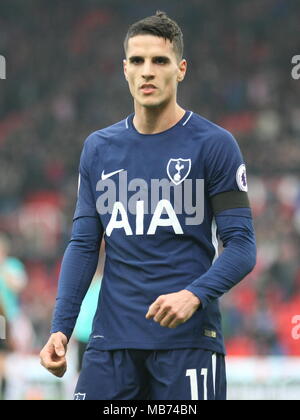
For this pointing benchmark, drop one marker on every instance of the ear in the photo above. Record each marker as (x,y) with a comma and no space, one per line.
(125,68)
(182,67)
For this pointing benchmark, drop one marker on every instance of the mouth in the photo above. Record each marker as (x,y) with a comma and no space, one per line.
(147,88)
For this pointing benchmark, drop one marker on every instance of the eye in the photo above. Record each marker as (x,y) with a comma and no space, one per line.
(136,60)
(161,60)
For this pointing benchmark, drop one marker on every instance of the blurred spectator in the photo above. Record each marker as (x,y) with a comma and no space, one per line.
(12,281)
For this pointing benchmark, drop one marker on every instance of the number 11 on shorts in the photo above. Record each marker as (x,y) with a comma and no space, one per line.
(192,373)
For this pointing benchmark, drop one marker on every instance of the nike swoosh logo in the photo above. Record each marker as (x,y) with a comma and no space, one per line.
(105,176)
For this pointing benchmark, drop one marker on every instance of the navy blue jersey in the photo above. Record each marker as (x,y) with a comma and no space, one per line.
(152,198)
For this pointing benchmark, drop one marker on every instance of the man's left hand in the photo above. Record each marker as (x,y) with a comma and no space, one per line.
(173,309)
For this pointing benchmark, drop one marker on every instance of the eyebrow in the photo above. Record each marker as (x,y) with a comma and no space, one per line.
(135,57)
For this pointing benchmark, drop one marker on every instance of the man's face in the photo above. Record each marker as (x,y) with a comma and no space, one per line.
(152,70)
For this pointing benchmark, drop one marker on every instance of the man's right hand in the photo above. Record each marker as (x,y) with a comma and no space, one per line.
(53,355)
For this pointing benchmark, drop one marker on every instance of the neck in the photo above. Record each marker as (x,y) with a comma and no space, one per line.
(156,120)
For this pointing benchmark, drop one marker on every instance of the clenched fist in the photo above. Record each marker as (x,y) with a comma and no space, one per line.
(173,309)
(53,355)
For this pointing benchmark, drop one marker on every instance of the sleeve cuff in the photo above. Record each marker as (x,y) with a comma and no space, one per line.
(199,294)
(66,331)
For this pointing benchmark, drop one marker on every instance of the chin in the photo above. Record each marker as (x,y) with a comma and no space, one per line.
(152,103)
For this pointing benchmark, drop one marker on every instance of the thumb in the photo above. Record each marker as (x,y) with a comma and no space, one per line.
(59,348)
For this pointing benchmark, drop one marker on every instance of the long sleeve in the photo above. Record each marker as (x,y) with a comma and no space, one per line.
(78,268)
(235,228)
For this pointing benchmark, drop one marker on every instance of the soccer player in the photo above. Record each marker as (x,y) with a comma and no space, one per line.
(160,185)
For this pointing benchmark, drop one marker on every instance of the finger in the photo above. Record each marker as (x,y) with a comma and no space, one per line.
(58,372)
(50,364)
(45,358)
(175,322)
(152,310)
(51,360)
(59,348)
(161,314)
(48,358)
(166,321)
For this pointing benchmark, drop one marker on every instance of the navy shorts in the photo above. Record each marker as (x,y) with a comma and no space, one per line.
(128,374)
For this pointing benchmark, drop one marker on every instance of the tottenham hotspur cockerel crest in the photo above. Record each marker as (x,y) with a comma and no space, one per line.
(178,170)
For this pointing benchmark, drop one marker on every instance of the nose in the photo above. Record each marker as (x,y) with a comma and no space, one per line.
(148,71)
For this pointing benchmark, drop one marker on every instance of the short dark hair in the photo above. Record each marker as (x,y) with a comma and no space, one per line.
(158,25)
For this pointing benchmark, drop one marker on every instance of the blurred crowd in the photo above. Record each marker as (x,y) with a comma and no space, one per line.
(64,80)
